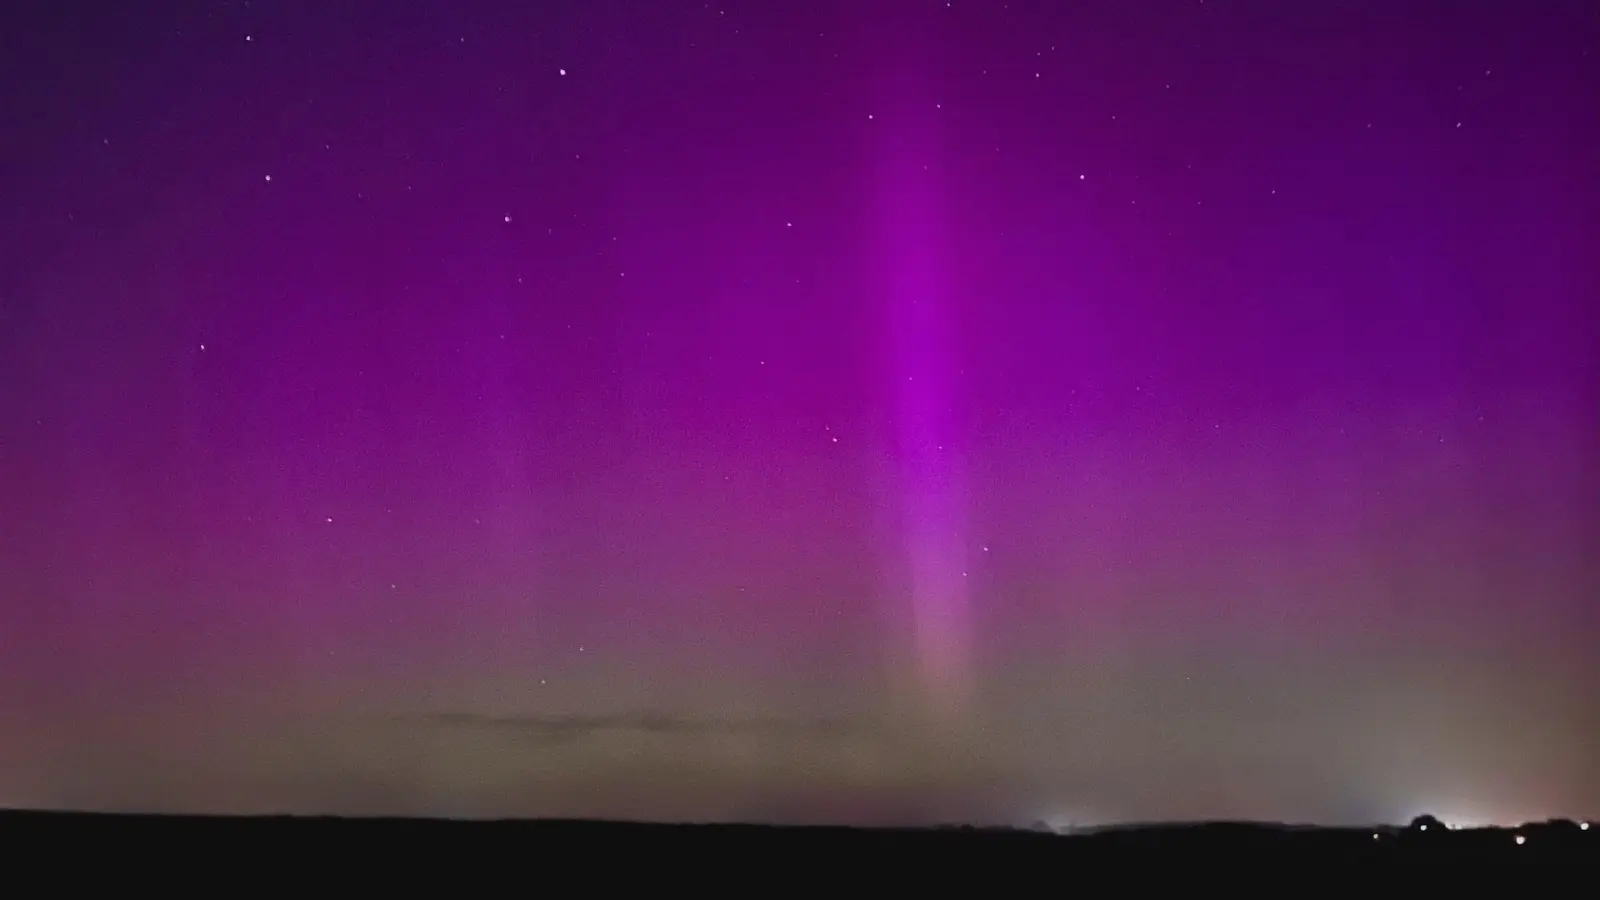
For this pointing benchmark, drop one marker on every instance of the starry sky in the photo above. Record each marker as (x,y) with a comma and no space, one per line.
(801,411)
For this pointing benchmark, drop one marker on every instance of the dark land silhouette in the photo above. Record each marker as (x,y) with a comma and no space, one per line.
(232,851)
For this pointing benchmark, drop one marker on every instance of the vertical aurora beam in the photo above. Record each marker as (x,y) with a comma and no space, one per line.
(921,369)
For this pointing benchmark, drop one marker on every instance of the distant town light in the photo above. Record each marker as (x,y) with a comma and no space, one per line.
(1521,840)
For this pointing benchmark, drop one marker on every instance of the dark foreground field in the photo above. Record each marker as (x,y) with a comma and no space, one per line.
(528,856)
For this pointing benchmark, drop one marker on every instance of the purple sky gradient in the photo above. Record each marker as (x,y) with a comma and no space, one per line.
(798,410)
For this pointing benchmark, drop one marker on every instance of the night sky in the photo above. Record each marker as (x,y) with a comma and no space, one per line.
(781,410)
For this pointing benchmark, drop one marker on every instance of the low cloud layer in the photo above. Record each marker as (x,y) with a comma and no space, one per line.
(562,729)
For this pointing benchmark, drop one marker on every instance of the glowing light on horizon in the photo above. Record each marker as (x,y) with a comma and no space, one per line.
(1455,818)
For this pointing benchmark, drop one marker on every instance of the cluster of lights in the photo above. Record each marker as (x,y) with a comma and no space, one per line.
(1519,839)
